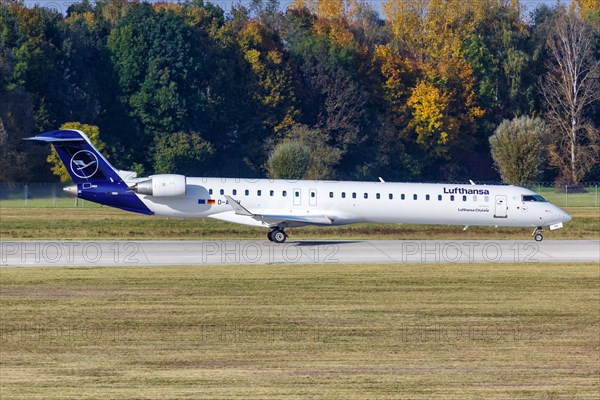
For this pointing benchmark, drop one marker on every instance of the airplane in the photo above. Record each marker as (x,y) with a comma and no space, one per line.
(279,204)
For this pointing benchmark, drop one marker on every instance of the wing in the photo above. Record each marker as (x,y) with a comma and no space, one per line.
(280,219)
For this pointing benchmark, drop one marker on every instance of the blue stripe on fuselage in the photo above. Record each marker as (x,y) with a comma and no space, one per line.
(113,195)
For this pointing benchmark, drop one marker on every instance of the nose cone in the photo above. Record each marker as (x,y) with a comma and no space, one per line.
(564,217)
(71,190)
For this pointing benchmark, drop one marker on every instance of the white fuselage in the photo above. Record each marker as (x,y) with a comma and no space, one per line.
(345,202)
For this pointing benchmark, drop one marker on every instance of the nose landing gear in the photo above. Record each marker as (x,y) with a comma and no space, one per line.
(537,234)
(277,235)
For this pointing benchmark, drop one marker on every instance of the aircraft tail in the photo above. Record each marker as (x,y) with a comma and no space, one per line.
(83,161)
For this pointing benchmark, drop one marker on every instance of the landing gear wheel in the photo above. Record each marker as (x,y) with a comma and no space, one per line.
(278,236)
(537,234)
(270,235)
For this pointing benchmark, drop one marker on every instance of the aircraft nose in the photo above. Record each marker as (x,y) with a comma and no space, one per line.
(564,217)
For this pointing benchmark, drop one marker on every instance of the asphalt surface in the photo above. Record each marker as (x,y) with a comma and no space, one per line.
(232,252)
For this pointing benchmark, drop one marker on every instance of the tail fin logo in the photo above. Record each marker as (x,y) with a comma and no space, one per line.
(84,164)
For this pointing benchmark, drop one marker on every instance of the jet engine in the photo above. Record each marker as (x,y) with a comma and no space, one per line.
(166,185)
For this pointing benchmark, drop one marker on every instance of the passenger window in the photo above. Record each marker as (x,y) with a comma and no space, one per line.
(271,193)
(414,196)
(331,195)
(451,197)
(487,199)
(464,198)
(246,192)
(427,197)
(312,194)
(402,197)
(353,195)
(297,194)
(259,192)
(343,195)
(439,197)
(234,192)
(284,193)
(222,191)
(366,195)
(377,196)
(210,191)
(474,198)
(391,196)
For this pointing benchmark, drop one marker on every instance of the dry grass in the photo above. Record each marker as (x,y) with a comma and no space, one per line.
(298,332)
(110,223)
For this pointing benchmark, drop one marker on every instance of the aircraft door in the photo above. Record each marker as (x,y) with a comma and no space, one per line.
(312,200)
(501,207)
(297,197)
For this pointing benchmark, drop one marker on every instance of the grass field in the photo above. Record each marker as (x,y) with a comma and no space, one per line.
(527,331)
(110,223)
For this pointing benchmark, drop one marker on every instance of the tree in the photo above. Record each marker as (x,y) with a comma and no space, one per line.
(289,160)
(273,87)
(324,157)
(519,149)
(443,108)
(182,153)
(570,87)
(434,125)
(58,168)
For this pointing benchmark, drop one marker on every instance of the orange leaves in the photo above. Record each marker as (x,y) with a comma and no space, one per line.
(333,18)
(429,34)
(431,120)
(399,76)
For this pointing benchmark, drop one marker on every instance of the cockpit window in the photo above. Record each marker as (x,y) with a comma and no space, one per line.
(534,197)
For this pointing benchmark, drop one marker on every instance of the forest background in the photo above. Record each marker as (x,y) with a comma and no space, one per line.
(410,92)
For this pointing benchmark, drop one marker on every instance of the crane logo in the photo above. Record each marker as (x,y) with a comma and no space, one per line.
(84,164)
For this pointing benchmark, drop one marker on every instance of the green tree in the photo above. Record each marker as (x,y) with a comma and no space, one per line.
(57,166)
(519,149)
(289,160)
(332,91)
(161,68)
(184,153)
(323,157)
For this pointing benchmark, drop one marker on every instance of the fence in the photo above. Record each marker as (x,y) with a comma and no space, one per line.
(20,195)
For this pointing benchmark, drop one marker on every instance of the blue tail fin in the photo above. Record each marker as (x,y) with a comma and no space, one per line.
(83,161)
(96,179)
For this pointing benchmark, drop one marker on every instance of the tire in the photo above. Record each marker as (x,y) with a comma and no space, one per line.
(279,236)
(538,237)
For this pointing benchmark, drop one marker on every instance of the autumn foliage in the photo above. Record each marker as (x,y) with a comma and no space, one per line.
(411,90)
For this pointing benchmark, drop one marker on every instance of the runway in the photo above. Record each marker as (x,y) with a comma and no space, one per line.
(232,252)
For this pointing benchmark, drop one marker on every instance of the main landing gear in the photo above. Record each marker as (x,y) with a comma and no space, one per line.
(537,234)
(277,235)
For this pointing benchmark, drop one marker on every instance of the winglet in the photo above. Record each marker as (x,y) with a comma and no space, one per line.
(239,210)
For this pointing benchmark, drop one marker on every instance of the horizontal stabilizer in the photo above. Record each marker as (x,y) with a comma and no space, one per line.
(46,139)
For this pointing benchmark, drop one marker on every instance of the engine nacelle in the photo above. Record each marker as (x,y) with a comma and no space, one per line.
(167,185)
